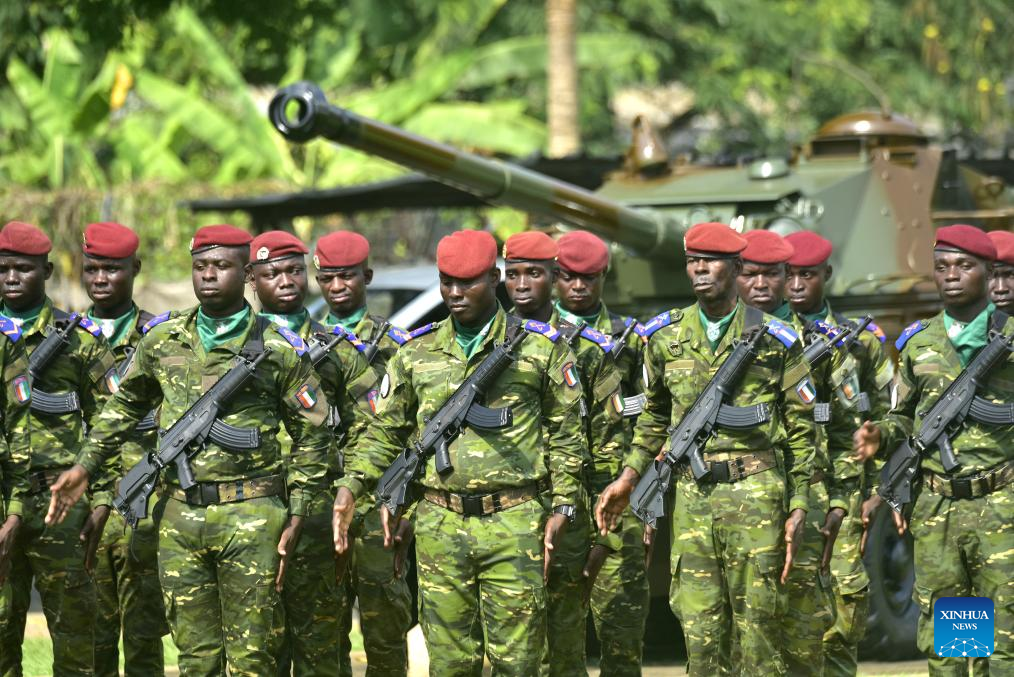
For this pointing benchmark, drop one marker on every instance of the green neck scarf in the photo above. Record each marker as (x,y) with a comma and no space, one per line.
(116,329)
(575,319)
(819,315)
(967,339)
(469,338)
(25,318)
(348,323)
(714,330)
(292,321)
(214,331)
(783,312)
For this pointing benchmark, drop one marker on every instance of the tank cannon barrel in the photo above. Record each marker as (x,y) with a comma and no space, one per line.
(300,112)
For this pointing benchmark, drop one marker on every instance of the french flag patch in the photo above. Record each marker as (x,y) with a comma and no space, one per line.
(22,389)
(806,391)
(569,374)
(306,396)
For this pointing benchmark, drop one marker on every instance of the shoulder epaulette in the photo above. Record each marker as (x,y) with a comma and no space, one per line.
(399,335)
(825,328)
(425,329)
(547,330)
(10,328)
(782,332)
(910,331)
(153,322)
(654,324)
(293,339)
(89,326)
(350,337)
(598,338)
(877,331)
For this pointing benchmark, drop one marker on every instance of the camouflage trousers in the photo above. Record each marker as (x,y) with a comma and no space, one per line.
(727,557)
(129,596)
(809,595)
(965,548)
(481,589)
(217,565)
(314,603)
(567,601)
(54,558)
(619,602)
(385,603)
(851,588)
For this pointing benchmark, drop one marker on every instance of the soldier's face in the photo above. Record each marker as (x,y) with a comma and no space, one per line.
(960,278)
(804,287)
(218,275)
(1001,287)
(713,279)
(109,282)
(280,285)
(579,294)
(470,301)
(344,289)
(529,285)
(24,280)
(761,285)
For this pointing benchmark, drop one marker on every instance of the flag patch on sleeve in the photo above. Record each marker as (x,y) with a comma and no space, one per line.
(371,399)
(306,396)
(570,374)
(806,391)
(22,389)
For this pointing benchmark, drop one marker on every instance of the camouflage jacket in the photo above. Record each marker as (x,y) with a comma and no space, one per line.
(15,450)
(928,364)
(171,369)
(363,385)
(679,363)
(630,358)
(540,388)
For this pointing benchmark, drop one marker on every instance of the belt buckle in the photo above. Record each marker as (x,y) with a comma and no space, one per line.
(471,506)
(202,494)
(720,471)
(961,488)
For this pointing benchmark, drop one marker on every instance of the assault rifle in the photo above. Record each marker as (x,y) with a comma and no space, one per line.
(40,359)
(944,420)
(687,439)
(373,345)
(198,424)
(821,347)
(461,409)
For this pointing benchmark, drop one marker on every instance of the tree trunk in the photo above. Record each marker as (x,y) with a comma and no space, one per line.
(561,71)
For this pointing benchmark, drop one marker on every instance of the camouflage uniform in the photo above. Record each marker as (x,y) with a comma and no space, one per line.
(126,569)
(54,556)
(480,578)
(314,602)
(962,545)
(217,562)
(728,547)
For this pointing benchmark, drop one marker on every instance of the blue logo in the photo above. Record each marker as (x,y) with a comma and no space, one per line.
(963,627)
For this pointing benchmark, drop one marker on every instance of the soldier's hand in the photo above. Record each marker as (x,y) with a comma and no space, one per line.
(865,441)
(65,492)
(555,526)
(596,558)
(91,534)
(8,534)
(402,543)
(793,539)
(341,518)
(614,500)
(868,511)
(832,524)
(649,545)
(287,547)
(391,524)
(341,560)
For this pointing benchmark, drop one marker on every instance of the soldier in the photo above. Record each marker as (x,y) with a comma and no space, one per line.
(75,379)
(1001,280)
(960,520)
(850,482)
(126,570)
(736,533)
(313,600)
(374,575)
(482,553)
(616,564)
(810,598)
(224,544)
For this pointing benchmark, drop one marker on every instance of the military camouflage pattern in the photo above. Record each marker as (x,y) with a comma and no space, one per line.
(15,451)
(727,540)
(126,570)
(962,546)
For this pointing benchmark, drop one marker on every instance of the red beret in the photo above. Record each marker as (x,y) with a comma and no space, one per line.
(967,239)
(532,245)
(109,241)
(466,254)
(1004,243)
(716,239)
(221,235)
(341,249)
(583,253)
(274,245)
(24,238)
(766,247)
(811,249)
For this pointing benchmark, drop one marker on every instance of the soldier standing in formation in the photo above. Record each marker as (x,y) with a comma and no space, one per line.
(1001,280)
(79,377)
(126,568)
(961,520)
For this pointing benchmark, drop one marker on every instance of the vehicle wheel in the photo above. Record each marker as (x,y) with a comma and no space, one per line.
(891,627)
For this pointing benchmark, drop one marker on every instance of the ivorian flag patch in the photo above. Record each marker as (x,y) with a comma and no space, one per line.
(569,374)
(806,391)
(112,380)
(22,389)
(618,402)
(371,399)
(306,396)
